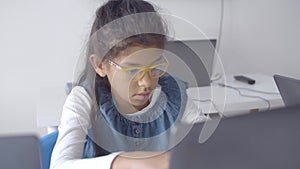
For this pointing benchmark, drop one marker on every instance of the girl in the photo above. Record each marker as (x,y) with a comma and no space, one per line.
(121,111)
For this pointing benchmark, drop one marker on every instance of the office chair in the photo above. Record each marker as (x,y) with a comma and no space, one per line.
(47,144)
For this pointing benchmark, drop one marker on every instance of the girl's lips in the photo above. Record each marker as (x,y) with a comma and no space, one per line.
(142,96)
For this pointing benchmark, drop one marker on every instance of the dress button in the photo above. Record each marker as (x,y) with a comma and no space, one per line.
(137,130)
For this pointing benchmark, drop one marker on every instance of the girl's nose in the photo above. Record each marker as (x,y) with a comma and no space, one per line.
(146,80)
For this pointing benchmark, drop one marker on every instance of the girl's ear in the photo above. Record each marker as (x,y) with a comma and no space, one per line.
(98,67)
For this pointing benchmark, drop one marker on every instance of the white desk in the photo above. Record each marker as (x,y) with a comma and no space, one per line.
(50,107)
(232,102)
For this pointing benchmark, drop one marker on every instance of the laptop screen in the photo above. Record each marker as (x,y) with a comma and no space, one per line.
(289,89)
(259,140)
(191,60)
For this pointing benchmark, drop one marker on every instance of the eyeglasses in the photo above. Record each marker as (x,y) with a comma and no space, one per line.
(137,73)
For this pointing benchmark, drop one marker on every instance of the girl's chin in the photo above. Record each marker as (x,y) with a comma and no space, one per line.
(139,105)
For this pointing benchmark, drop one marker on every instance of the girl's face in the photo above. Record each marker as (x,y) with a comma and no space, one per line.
(131,84)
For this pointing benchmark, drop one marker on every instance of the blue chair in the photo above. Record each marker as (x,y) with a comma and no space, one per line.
(47,143)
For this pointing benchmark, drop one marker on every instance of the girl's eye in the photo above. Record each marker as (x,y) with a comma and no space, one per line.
(156,72)
(132,71)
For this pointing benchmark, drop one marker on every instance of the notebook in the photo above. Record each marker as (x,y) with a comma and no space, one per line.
(289,89)
(19,152)
(254,141)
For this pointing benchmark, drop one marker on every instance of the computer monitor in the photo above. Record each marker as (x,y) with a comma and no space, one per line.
(194,58)
(20,151)
(289,89)
(258,140)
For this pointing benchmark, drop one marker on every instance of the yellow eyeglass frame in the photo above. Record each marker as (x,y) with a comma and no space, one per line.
(141,68)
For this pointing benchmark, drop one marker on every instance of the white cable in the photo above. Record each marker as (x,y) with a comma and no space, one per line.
(217,77)
(250,96)
(214,105)
(257,91)
(219,39)
(252,90)
(220,27)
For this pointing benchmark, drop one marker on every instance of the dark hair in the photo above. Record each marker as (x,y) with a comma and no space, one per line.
(115,10)
(155,35)
(119,24)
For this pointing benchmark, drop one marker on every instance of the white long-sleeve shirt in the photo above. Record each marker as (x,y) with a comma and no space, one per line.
(75,122)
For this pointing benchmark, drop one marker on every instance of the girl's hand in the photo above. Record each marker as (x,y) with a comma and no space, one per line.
(142,159)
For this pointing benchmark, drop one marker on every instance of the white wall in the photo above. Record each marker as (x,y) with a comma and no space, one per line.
(40,41)
(261,37)
(202,15)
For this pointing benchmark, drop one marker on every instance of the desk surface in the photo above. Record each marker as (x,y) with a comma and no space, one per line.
(224,98)
(232,102)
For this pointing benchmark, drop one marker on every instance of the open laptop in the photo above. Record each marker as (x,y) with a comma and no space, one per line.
(289,89)
(19,152)
(255,141)
(193,58)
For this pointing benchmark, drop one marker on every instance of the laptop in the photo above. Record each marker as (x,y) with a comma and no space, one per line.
(19,152)
(254,141)
(191,60)
(289,89)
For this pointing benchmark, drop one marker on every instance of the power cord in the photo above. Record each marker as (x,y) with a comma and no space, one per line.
(238,89)
(252,90)
(214,105)
(217,77)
